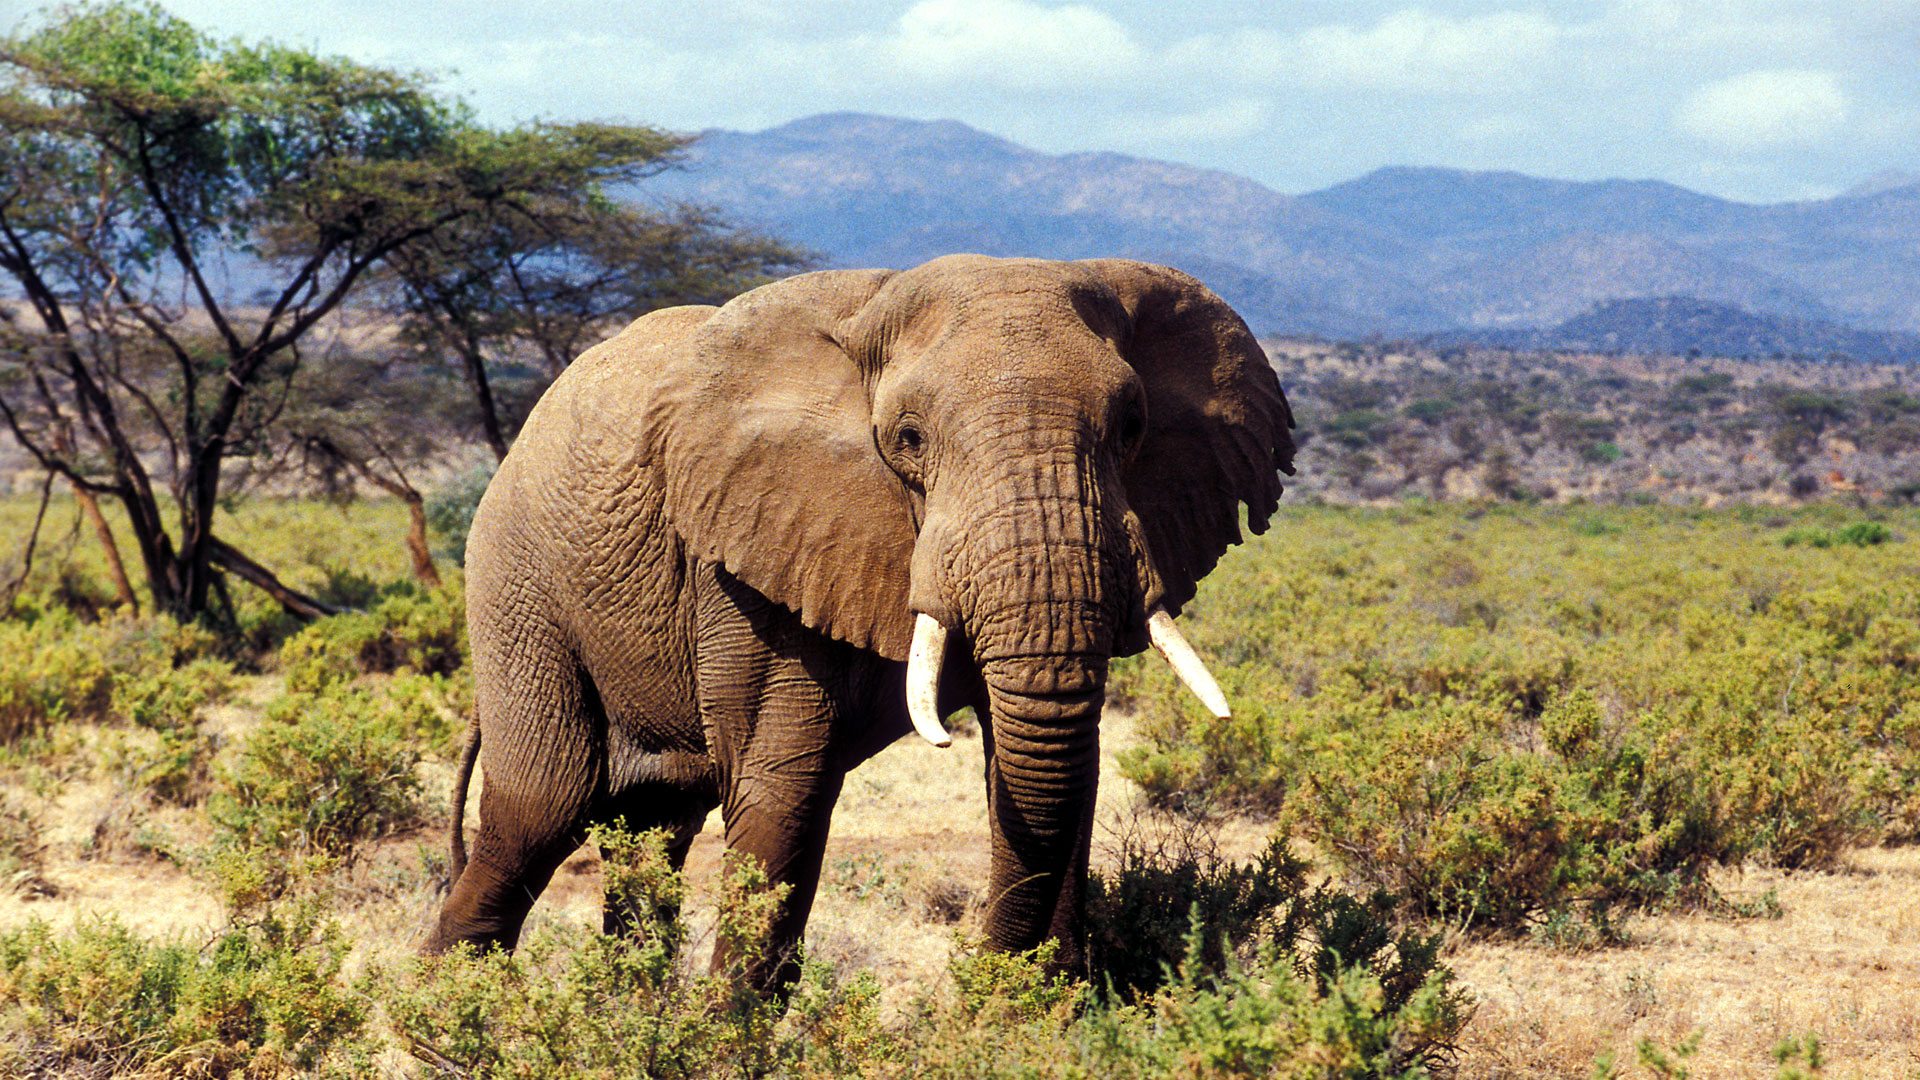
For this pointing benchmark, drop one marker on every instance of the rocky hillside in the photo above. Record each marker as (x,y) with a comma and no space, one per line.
(1680,325)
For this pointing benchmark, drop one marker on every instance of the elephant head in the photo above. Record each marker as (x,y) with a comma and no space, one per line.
(1016,466)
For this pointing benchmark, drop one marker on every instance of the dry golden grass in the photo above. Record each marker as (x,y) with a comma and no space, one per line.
(908,857)
(1842,960)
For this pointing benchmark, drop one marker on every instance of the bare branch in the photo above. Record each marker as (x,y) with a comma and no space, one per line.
(295,601)
(33,540)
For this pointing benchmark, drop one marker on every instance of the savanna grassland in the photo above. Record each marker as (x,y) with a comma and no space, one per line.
(1511,790)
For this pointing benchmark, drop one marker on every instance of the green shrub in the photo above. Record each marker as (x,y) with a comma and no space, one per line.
(1857,534)
(52,668)
(450,510)
(320,774)
(410,628)
(56,667)
(1864,534)
(170,698)
(263,998)
(1142,911)
(572,1003)
(1506,716)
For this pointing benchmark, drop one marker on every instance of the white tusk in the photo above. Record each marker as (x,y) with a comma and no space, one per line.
(1186,663)
(923,679)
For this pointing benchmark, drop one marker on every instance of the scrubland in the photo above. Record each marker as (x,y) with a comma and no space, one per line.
(1382,421)
(1509,791)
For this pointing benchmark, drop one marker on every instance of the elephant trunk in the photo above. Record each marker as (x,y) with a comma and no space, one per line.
(1046,583)
(1043,768)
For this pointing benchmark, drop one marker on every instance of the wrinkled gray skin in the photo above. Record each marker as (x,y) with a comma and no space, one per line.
(693,581)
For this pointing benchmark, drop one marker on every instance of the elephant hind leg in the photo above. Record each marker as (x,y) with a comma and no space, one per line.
(540,765)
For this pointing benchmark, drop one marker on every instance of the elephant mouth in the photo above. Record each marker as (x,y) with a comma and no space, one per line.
(929,650)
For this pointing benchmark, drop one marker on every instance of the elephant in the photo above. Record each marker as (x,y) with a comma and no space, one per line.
(736,551)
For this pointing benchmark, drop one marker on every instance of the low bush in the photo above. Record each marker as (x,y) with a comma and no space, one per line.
(1351,1000)
(572,1003)
(1508,717)
(410,628)
(52,668)
(265,997)
(170,757)
(321,773)
(1858,534)
(55,667)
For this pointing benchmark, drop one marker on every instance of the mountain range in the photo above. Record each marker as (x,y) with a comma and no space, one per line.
(1399,251)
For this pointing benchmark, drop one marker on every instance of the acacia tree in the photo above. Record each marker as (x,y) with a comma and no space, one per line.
(143,164)
(366,416)
(533,282)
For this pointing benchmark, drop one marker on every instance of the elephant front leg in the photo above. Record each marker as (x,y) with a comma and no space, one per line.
(777,816)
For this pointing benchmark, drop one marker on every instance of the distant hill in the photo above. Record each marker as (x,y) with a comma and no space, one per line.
(1399,251)
(874,191)
(1679,325)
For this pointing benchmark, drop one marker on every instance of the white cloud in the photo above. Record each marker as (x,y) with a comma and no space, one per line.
(1228,120)
(1762,109)
(1011,43)
(1412,49)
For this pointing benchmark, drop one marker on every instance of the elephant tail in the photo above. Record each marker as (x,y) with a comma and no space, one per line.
(458,838)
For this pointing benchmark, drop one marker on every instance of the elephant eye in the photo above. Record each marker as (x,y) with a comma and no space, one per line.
(909,438)
(1133,428)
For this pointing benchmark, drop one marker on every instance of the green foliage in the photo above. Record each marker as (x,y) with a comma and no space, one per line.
(1012,988)
(450,510)
(1517,717)
(1602,453)
(1267,916)
(264,997)
(170,699)
(574,1004)
(1799,1057)
(51,669)
(1857,534)
(409,628)
(154,672)
(571,1004)
(321,773)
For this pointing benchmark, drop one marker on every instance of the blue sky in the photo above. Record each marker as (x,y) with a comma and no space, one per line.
(1761,100)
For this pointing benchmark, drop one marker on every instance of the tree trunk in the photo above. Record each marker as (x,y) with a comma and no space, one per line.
(116,569)
(476,366)
(423,568)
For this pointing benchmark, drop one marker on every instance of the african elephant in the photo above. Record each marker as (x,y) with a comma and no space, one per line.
(736,551)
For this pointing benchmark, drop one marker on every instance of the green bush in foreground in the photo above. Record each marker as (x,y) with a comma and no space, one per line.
(265,996)
(573,1004)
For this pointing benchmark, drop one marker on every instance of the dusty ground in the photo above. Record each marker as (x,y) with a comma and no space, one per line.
(909,852)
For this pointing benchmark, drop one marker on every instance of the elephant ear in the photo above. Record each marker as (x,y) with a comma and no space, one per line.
(1217,423)
(760,426)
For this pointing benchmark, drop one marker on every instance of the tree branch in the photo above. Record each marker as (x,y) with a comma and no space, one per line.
(33,540)
(296,602)
(183,253)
